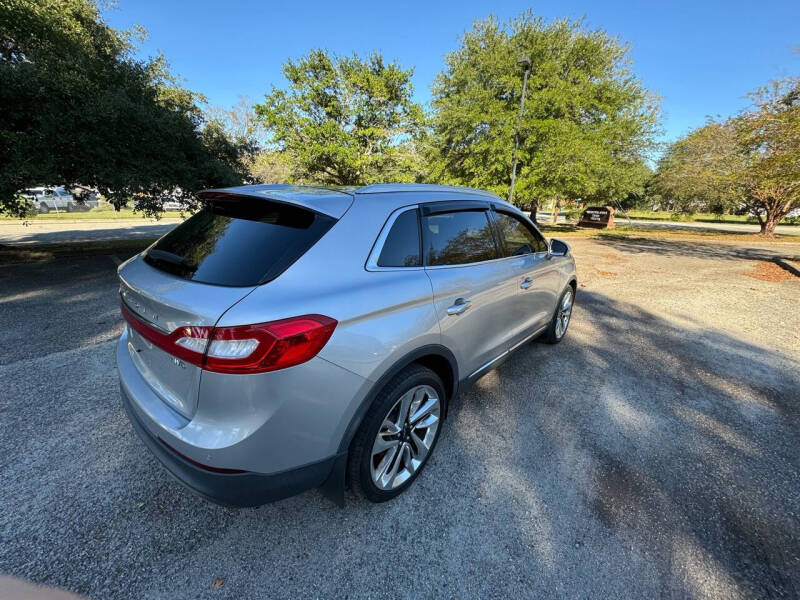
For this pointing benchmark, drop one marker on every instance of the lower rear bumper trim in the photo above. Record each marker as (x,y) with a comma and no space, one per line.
(231,489)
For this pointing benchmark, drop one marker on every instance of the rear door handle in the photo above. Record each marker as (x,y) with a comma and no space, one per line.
(526,283)
(460,305)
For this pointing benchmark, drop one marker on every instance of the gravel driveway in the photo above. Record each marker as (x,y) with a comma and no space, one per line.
(654,453)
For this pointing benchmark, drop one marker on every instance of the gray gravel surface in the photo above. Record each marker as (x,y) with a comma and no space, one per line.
(654,453)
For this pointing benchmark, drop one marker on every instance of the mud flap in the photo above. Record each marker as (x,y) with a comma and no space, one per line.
(333,487)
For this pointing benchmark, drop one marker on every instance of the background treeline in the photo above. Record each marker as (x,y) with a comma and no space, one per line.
(77,107)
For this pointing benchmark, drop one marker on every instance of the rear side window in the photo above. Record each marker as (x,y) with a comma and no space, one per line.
(238,243)
(401,248)
(519,238)
(458,238)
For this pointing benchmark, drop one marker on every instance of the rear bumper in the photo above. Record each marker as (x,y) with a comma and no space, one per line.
(231,489)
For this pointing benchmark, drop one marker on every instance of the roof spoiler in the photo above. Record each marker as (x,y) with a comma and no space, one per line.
(327,202)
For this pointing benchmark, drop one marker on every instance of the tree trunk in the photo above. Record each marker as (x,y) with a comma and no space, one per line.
(534,209)
(556,209)
(768,224)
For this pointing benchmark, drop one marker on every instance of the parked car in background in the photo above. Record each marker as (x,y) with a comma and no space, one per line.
(47,198)
(172,205)
(85,198)
(44,199)
(283,337)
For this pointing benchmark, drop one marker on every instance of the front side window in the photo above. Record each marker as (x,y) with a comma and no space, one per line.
(458,238)
(518,236)
(401,248)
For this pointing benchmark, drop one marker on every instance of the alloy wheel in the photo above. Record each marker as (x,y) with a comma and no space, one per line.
(564,313)
(405,437)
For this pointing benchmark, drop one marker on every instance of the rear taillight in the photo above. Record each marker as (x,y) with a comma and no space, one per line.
(244,348)
(268,346)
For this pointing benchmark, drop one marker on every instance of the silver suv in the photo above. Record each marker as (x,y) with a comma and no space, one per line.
(285,337)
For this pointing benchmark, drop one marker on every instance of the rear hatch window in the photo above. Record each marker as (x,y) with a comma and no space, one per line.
(238,242)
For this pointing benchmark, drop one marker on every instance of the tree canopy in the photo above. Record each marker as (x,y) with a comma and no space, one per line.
(587,125)
(77,108)
(750,161)
(345,120)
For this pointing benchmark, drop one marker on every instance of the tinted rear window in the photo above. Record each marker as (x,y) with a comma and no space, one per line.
(238,243)
(401,248)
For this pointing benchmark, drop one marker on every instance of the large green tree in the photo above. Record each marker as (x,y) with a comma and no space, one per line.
(76,107)
(586,129)
(749,161)
(345,120)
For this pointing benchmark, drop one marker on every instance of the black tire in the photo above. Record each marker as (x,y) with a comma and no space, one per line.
(70,207)
(43,208)
(551,335)
(360,456)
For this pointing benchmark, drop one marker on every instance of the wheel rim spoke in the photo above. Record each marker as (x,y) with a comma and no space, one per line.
(386,463)
(421,447)
(395,463)
(389,427)
(405,404)
(407,459)
(382,444)
(424,410)
(428,421)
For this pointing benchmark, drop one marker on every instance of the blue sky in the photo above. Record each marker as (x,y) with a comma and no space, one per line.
(701,57)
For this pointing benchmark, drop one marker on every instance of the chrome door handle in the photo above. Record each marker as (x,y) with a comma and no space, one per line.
(526,283)
(458,307)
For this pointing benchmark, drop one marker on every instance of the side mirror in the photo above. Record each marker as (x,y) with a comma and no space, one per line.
(558,248)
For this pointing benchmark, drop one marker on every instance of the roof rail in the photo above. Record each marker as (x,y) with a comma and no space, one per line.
(388,188)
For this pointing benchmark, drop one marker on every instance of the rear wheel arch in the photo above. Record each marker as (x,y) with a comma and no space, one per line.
(436,357)
(442,367)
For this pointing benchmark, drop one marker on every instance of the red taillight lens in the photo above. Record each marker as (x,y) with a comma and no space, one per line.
(176,342)
(244,348)
(268,346)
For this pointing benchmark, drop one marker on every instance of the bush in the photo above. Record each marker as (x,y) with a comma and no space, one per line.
(574,214)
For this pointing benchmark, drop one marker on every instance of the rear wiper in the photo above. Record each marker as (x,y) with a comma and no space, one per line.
(170,258)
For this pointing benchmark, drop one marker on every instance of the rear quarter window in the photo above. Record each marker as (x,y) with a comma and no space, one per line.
(402,247)
(238,242)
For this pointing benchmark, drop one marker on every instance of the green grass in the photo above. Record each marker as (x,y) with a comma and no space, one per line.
(567,231)
(651,215)
(99,214)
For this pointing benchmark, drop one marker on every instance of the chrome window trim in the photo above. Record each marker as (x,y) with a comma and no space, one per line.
(486,262)
(377,247)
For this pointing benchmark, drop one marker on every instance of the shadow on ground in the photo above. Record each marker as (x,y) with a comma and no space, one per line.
(640,245)
(30,236)
(682,446)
